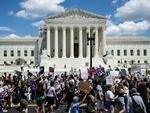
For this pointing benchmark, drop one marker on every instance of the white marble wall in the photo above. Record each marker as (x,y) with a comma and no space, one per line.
(15,46)
(128,45)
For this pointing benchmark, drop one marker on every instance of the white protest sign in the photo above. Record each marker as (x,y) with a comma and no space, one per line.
(114,73)
(84,75)
(109,80)
(112,76)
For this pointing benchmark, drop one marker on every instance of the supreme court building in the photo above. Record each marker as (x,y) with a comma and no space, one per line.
(63,43)
(66,38)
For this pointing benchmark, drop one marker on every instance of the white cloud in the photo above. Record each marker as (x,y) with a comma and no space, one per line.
(38,23)
(134,10)
(127,28)
(7,29)
(11,13)
(114,1)
(39,8)
(108,16)
(17,36)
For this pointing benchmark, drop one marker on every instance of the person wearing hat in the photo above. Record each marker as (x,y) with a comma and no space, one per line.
(135,103)
(100,97)
(76,104)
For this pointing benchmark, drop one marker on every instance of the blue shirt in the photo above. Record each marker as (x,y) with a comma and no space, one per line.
(75,107)
(138,100)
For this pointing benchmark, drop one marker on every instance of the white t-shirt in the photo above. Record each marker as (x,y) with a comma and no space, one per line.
(1,89)
(109,95)
(1,82)
(51,92)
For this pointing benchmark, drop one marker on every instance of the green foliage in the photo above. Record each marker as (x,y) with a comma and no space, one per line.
(19,61)
(51,69)
(6,64)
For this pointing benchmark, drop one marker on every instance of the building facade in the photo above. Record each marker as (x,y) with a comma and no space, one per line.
(129,49)
(66,37)
(12,48)
(63,43)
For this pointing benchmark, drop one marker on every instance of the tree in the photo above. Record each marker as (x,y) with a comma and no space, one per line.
(19,61)
(132,62)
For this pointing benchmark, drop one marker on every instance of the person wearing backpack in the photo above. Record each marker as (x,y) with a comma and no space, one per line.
(135,103)
(33,90)
(70,91)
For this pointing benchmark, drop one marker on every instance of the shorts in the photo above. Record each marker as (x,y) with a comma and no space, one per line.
(110,105)
(40,100)
(120,102)
(50,100)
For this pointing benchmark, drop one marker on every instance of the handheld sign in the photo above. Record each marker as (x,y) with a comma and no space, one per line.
(85,87)
(123,72)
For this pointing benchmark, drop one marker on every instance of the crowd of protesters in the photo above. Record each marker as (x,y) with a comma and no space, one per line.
(125,95)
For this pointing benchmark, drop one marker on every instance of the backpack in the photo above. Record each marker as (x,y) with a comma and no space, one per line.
(136,107)
(71,91)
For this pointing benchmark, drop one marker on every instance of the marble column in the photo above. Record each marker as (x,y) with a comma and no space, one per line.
(96,42)
(71,42)
(64,42)
(88,46)
(56,42)
(80,42)
(103,42)
(48,41)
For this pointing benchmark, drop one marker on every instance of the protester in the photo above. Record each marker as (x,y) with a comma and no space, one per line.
(75,105)
(110,99)
(148,97)
(40,98)
(120,102)
(70,91)
(106,92)
(51,97)
(100,98)
(135,103)
(23,106)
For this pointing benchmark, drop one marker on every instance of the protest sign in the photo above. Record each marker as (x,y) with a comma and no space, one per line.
(109,80)
(138,76)
(111,77)
(123,72)
(85,87)
(135,69)
(100,70)
(114,73)
(84,75)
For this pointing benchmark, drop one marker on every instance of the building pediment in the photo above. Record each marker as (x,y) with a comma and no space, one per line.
(74,14)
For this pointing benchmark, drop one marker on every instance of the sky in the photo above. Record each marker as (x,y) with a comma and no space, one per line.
(125,17)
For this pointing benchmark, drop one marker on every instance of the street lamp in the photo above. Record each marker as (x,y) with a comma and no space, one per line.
(91,39)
